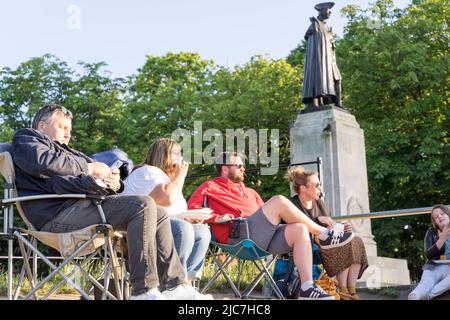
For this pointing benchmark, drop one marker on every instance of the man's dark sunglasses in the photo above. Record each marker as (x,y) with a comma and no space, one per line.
(239,166)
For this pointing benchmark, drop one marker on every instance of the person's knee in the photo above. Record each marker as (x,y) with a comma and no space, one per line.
(279,199)
(280,202)
(202,233)
(143,201)
(140,205)
(298,233)
(184,231)
(300,229)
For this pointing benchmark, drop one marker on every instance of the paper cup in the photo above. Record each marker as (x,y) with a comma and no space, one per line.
(338,227)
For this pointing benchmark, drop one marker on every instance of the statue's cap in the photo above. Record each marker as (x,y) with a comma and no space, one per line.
(324,5)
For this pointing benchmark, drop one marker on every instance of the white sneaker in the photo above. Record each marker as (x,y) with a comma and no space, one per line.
(153,294)
(185,292)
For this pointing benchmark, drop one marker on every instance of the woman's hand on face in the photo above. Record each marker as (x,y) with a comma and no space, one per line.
(326,221)
(181,169)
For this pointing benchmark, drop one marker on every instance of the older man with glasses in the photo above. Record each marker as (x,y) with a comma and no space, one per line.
(45,164)
(229,199)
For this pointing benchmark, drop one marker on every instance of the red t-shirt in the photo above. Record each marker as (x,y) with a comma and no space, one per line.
(225,196)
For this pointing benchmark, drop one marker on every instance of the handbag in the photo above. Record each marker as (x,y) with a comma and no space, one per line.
(329,285)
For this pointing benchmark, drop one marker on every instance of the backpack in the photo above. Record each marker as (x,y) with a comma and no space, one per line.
(289,283)
(286,275)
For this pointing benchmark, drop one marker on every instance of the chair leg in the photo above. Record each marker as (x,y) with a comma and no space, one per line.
(125,283)
(53,267)
(264,272)
(240,264)
(19,283)
(223,272)
(77,268)
(26,263)
(9,215)
(115,268)
(35,270)
(10,268)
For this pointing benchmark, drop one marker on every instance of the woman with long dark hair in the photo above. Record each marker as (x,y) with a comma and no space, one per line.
(436,276)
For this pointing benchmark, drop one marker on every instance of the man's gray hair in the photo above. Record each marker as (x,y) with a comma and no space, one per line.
(47,111)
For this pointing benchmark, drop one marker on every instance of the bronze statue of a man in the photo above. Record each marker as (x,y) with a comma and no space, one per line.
(322,79)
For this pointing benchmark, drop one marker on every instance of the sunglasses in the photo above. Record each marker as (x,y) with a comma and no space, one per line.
(318,184)
(239,166)
(64,110)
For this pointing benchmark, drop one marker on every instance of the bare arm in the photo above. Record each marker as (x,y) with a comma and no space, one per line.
(165,194)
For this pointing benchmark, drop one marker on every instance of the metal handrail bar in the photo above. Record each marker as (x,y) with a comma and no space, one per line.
(387,214)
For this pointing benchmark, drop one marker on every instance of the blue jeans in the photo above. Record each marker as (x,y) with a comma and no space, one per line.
(191,242)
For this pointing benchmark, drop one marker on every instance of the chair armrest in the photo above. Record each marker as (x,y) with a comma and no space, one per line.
(231,221)
(44,196)
(95,196)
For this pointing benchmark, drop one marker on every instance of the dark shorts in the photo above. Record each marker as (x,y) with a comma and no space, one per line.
(266,235)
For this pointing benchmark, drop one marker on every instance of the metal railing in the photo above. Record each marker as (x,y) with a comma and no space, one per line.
(387,214)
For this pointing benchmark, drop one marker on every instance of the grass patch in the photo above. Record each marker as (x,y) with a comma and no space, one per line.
(248,271)
(94,268)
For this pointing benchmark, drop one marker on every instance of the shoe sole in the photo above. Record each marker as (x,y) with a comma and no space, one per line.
(341,244)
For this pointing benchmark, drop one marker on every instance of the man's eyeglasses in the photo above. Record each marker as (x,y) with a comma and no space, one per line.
(239,166)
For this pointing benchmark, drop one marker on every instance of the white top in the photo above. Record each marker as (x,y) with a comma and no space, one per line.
(145,179)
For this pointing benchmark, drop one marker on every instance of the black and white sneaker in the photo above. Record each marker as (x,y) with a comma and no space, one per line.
(336,239)
(314,293)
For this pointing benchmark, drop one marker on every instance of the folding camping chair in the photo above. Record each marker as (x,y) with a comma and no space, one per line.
(84,244)
(243,251)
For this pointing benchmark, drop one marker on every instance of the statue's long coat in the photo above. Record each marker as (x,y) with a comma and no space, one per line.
(321,69)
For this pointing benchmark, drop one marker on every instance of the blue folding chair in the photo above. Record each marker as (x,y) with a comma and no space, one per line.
(243,251)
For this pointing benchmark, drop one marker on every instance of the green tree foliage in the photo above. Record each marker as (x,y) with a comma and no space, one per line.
(23,91)
(175,90)
(96,101)
(261,94)
(396,83)
(167,93)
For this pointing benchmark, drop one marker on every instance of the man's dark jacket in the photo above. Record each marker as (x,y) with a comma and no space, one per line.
(44,166)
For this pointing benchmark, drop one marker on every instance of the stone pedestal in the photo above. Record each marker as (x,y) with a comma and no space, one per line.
(334,135)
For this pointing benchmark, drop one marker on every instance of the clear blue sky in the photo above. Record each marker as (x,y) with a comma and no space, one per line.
(121,33)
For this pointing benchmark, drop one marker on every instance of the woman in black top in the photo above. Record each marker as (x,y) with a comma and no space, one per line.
(436,276)
(348,262)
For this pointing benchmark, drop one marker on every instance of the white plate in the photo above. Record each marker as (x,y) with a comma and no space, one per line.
(441,261)
(202,214)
